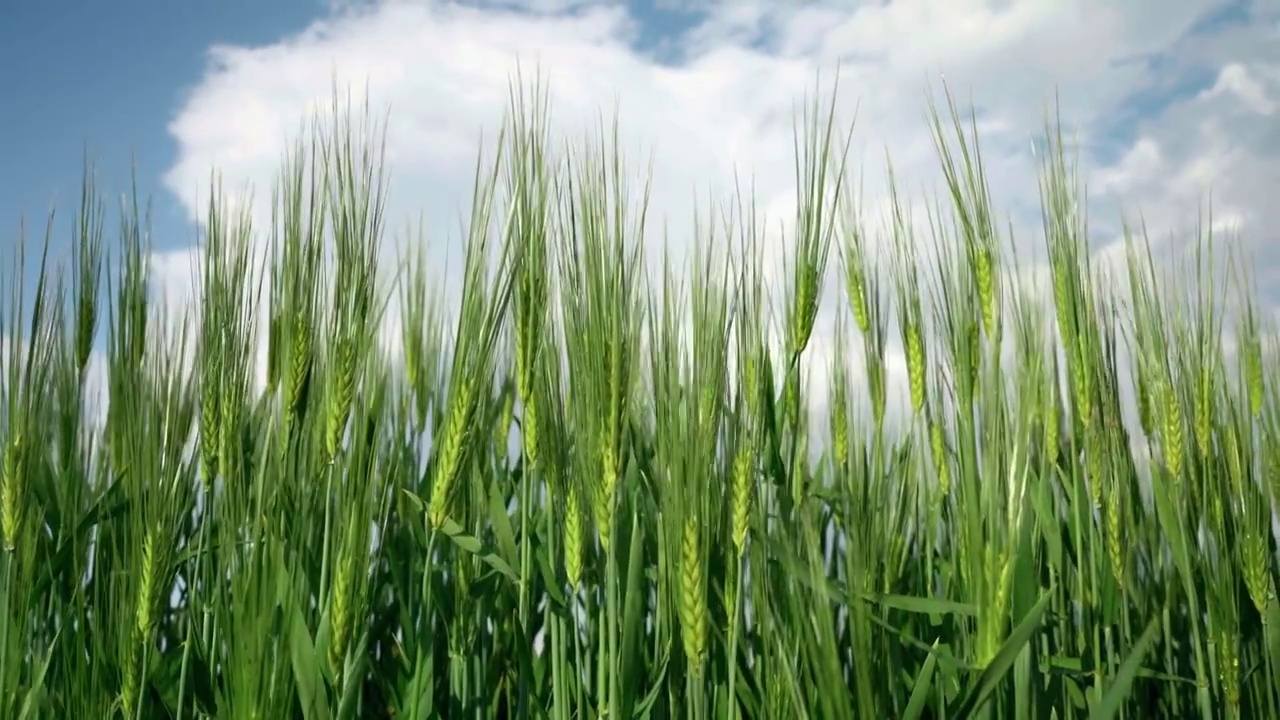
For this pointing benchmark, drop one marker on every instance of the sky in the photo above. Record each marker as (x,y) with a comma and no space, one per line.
(1169,103)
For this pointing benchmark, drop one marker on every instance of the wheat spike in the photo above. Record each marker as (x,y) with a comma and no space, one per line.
(210,420)
(984,277)
(917,364)
(573,538)
(693,611)
(300,368)
(1172,431)
(1095,455)
(1229,667)
(144,615)
(446,470)
(339,618)
(529,433)
(502,427)
(1115,540)
(840,430)
(857,290)
(1253,376)
(12,489)
(1256,561)
(228,426)
(604,495)
(344,388)
(938,444)
(743,471)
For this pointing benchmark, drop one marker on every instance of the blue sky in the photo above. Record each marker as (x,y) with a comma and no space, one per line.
(1172,99)
(107,77)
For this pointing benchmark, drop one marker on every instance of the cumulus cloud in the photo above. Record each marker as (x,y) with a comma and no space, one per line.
(717,98)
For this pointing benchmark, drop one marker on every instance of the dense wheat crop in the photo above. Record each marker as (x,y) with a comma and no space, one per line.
(594,493)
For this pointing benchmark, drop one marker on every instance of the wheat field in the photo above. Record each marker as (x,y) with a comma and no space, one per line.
(579,491)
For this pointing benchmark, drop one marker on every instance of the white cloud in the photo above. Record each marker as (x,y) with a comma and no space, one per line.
(726,102)
(1238,82)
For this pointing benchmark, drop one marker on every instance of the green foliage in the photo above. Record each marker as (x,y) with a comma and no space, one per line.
(353,533)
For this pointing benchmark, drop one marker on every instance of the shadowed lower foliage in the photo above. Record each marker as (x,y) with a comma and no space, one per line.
(593,494)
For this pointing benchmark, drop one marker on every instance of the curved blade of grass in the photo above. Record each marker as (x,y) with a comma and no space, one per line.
(633,618)
(306,661)
(659,684)
(353,676)
(1118,693)
(920,692)
(472,544)
(306,667)
(36,691)
(990,679)
(923,605)
(466,543)
(1272,630)
(501,524)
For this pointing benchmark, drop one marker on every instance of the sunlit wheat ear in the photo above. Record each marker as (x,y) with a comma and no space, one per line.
(806,308)
(526,362)
(743,479)
(128,700)
(344,388)
(446,470)
(1228,646)
(857,292)
(1095,449)
(840,426)
(604,499)
(1117,550)
(210,420)
(147,583)
(693,610)
(917,364)
(299,369)
(1083,384)
(1172,430)
(530,433)
(340,617)
(938,448)
(1254,380)
(228,429)
(573,538)
(996,614)
(1257,561)
(984,278)
(12,490)
(1146,404)
(1052,422)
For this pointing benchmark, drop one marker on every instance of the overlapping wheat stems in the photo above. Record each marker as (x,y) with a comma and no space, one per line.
(600,226)
(820,177)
